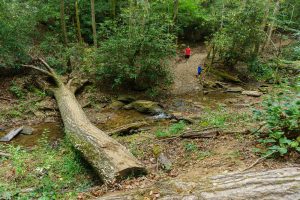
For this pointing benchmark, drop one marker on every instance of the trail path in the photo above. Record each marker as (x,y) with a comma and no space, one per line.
(184,72)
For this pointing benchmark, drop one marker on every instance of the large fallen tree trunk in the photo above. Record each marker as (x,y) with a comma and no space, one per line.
(110,159)
(279,184)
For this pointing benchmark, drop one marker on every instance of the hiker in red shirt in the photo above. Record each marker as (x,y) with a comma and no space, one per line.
(187,53)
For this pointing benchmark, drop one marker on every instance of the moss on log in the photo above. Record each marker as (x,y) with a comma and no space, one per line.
(110,159)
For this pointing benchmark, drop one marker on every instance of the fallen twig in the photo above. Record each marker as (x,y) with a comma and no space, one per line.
(259,128)
(6,99)
(258,161)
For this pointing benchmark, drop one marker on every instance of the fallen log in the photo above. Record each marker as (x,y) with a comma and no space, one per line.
(5,154)
(13,133)
(111,160)
(279,184)
(126,129)
(208,133)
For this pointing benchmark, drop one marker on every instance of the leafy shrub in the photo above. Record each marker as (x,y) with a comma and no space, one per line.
(138,53)
(292,52)
(282,115)
(260,70)
(16,91)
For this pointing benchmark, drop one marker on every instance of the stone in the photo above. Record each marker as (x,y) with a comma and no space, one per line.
(220,84)
(126,98)
(252,93)
(27,130)
(235,89)
(145,106)
(116,105)
(49,120)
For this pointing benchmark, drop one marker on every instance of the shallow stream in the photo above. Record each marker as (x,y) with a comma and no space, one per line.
(191,103)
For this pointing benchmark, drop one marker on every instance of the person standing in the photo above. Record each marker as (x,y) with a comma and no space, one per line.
(199,70)
(187,53)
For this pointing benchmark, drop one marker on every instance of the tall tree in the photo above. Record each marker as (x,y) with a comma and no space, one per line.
(272,24)
(113,4)
(175,13)
(78,22)
(62,21)
(94,22)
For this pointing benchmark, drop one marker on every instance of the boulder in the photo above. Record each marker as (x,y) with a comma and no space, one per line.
(252,93)
(126,98)
(27,130)
(234,89)
(144,106)
(116,105)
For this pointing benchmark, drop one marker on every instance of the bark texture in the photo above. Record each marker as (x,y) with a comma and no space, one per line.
(273,184)
(110,159)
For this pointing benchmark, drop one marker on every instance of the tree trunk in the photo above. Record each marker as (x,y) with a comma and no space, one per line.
(78,22)
(62,21)
(113,4)
(175,13)
(271,27)
(279,184)
(110,159)
(94,22)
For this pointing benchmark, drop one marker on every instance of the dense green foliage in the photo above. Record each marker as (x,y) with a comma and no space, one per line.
(137,52)
(282,115)
(240,33)
(17,25)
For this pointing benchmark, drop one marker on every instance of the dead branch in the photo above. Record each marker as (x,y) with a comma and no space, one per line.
(6,99)
(70,82)
(258,161)
(47,66)
(126,128)
(201,134)
(39,69)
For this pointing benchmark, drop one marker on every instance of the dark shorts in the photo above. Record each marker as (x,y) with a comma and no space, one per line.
(187,56)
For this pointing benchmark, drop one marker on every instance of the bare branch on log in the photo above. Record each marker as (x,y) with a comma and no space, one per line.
(39,69)
(47,66)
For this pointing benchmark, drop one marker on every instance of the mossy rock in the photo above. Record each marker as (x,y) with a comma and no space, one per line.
(144,106)
(126,98)
(116,105)
(226,76)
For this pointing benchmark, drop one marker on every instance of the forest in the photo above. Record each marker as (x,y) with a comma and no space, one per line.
(149,99)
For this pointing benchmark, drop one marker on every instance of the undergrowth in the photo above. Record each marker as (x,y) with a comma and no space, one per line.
(282,116)
(45,172)
(223,118)
(173,130)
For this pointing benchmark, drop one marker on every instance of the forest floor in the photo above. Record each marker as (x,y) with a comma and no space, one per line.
(192,159)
